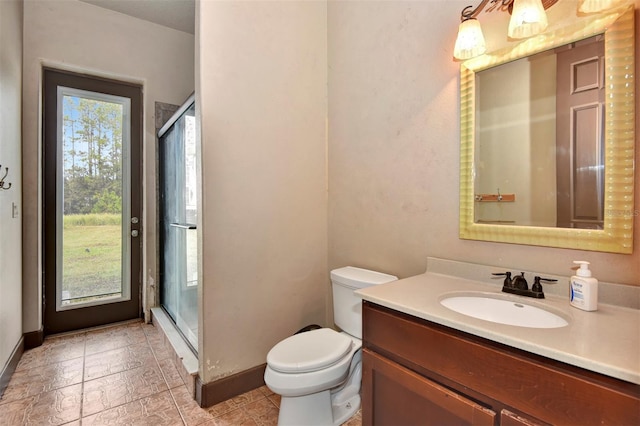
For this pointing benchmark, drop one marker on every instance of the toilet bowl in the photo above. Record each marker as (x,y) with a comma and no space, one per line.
(318,373)
(307,388)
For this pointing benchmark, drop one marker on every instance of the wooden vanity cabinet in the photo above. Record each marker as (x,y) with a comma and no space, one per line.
(419,373)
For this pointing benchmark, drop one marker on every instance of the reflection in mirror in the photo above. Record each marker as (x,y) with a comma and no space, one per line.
(539,139)
(522,180)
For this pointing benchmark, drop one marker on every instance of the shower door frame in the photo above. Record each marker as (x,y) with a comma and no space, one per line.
(161,150)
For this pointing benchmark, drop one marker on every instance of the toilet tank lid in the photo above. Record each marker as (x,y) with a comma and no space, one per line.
(359,278)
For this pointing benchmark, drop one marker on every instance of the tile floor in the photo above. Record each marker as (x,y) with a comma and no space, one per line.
(120,375)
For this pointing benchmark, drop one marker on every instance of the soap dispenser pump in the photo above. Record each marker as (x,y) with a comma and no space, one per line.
(583,288)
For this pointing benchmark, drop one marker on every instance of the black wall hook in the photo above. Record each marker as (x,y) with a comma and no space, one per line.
(4,185)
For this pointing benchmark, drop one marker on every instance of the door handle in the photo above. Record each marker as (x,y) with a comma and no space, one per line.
(134,233)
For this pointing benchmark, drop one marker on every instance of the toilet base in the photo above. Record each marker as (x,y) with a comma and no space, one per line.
(345,400)
(312,410)
(329,407)
(317,410)
(344,411)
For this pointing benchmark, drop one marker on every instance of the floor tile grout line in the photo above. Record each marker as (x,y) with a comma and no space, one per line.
(155,357)
(242,406)
(257,419)
(53,388)
(126,402)
(120,347)
(123,371)
(175,403)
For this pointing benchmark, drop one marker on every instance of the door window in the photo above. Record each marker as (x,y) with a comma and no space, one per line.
(92,244)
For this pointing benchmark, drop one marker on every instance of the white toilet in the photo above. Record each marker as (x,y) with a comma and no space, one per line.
(318,373)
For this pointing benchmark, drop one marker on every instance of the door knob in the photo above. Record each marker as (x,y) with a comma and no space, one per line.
(134,233)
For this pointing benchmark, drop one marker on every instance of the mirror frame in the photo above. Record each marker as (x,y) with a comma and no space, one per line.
(617,233)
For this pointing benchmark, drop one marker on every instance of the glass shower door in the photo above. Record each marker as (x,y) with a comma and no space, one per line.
(178,218)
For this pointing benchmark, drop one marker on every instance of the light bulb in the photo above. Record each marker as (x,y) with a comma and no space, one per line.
(470,41)
(527,19)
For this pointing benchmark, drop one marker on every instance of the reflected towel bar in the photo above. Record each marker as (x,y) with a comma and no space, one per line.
(183,225)
(495,197)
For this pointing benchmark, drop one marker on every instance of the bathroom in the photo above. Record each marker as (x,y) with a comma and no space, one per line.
(330,136)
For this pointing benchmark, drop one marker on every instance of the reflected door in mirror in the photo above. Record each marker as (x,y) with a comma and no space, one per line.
(580,134)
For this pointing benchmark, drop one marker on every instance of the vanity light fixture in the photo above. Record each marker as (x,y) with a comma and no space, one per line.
(595,6)
(528,18)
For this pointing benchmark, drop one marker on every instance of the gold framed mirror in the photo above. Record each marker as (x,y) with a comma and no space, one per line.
(616,233)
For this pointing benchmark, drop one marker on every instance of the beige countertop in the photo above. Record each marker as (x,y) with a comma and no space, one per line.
(606,341)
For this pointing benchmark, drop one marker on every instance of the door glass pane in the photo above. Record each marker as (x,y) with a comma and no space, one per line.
(93,193)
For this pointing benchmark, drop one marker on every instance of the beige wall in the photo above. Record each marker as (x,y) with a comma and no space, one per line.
(394,138)
(263,92)
(498,166)
(78,36)
(262,98)
(516,130)
(10,142)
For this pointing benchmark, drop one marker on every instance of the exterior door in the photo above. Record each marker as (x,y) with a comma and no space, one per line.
(91,205)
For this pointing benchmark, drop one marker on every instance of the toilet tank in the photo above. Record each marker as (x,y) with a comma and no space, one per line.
(347,307)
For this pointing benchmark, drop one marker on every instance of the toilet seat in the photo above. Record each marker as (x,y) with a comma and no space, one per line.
(305,383)
(309,351)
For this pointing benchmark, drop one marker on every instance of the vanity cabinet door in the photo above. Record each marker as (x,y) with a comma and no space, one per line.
(507,418)
(394,395)
(496,375)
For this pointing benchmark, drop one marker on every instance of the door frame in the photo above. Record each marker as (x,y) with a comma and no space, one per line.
(89,316)
(163,149)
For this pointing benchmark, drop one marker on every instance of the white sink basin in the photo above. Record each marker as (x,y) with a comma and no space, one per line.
(503,311)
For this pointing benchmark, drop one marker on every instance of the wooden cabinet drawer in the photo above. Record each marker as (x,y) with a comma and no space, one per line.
(542,388)
(507,418)
(394,395)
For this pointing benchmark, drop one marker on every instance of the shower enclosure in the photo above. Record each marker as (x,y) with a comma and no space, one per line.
(178,218)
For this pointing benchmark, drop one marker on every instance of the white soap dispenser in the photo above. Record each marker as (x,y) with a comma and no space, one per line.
(583,288)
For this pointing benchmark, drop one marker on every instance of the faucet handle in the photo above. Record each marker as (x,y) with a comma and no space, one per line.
(536,284)
(507,280)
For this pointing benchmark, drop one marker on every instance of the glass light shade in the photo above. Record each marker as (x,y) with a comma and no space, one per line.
(527,19)
(595,6)
(470,41)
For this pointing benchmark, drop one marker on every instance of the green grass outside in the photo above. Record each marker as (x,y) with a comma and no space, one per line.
(91,254)
(94,219)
